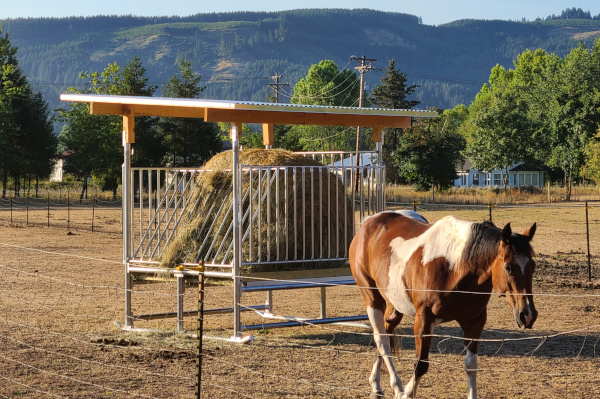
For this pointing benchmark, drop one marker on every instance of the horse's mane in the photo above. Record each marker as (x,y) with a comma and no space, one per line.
(482,246)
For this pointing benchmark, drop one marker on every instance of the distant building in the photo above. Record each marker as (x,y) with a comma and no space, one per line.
(519,175)
(58,171)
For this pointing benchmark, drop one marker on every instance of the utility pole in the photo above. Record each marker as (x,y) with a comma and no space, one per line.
(364,64)
(277,86)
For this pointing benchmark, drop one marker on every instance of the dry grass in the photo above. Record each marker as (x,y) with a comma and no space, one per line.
(485,196)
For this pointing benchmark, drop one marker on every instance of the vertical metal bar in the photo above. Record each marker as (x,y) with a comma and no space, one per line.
(277,220)
(260,213)
(126,187)
(323,303)
(251,206)
(295,179)
(140,191)
(286,214)
(303,213)
(329,241)
(27,211)
(200,333)
(237,236)
(93,211)
(48,209)
(320,170)
(587,232)
(68,211)
(180,293)
(268,226)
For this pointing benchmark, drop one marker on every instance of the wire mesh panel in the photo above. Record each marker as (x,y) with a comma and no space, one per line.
(289,214)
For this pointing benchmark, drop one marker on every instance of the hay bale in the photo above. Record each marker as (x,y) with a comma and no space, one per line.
(273,239)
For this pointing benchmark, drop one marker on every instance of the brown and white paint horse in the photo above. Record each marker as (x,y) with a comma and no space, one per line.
(404,265)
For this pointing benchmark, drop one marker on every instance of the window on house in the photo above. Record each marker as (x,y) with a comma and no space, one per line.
(497,179)
(476,179)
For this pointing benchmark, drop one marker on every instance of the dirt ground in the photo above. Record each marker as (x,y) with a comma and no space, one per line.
(62,308)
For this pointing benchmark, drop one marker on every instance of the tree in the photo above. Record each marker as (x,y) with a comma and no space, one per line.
(428,153)
(91,144)
(27,141)
(393,93)
(149,146)
(189,141)
(325,84)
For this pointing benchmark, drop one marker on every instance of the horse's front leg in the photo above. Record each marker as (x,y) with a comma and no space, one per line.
(472,331)
(423,330)
(382,341)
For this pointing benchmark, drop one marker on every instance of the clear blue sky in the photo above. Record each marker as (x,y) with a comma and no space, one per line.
(433,12)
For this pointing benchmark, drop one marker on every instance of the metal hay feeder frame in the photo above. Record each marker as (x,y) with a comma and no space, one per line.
(170,208)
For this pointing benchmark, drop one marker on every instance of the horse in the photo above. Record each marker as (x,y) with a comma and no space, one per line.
(437,273)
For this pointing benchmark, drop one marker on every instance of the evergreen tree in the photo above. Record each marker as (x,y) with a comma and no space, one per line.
(189,141)
(393,93)
(149,147)
(27,142)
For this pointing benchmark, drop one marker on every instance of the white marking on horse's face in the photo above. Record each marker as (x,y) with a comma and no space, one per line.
(522,261)
(445,239)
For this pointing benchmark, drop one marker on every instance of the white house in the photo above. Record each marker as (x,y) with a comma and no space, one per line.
(519,175)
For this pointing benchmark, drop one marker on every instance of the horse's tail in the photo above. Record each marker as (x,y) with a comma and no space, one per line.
(392,318)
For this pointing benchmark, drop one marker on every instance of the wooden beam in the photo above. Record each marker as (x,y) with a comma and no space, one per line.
(128,125)
(106,109)
(268,134)
(304,118)
(146,110)
(376,134)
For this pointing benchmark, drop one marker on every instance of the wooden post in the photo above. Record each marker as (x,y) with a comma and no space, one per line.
(268,135)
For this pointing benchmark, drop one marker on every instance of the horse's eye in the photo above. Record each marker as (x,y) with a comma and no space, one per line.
(508,268)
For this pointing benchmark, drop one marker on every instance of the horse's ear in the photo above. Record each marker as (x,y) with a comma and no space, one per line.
(506,233)
(530,232)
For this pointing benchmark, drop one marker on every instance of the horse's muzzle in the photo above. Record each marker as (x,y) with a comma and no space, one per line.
(527,317)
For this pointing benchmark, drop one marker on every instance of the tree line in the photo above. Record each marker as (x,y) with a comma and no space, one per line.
(543,111)
(27,142)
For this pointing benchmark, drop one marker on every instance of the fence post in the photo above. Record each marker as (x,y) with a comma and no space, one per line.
(200,330)
(27,211)
(93,211)
(587,231)
(68,211)
(11,207)
(490,208)
(48,209)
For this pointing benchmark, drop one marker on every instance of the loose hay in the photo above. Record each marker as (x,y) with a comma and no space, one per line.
(309,217)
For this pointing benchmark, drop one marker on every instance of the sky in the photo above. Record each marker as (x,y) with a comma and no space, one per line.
(433,12)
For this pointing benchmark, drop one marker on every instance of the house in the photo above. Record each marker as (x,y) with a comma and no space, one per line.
(519,175)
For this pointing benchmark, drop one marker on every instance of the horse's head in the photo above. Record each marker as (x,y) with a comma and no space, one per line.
(512,274)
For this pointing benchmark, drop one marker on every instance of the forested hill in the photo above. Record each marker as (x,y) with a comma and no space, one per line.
(236,53)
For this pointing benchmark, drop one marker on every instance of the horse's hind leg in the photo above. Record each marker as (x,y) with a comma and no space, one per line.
(382,341)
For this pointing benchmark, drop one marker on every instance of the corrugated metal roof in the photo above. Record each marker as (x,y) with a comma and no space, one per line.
(241,105)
